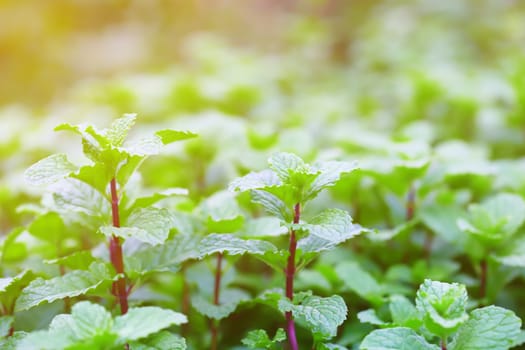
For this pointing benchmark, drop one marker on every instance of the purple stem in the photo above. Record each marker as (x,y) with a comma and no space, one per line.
(411,203)
(216,295)
(290,273)
(115,253)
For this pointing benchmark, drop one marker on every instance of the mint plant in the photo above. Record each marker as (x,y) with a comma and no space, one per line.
(490,227)
(93,197)
(440,321)
(84,192)
(284,190)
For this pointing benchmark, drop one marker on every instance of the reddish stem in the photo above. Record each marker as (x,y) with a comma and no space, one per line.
(216,295)
(67,301)
(443,344)
(218,275)
(9,311)
(411,203)
(115,253)
(186,303)
(290,273)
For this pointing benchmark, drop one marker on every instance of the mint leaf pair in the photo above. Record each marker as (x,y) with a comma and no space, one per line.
(289,181)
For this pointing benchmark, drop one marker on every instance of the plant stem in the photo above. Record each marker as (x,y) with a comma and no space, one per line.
(185,299)
(290,273)
(67,300)
(115,253)
(218,275)
(411,203)
(216,295)
(443,344)
(9,312)
(483,279)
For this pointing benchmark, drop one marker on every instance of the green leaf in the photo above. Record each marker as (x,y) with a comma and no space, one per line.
(71,284)
(221,206)
(267,189)
(156,222)
(272,204)
(520,339)
(489,328)
(322,316)
(80,260)
(513,254)
(370,316)
(222,212)
(147,201)
(313,279)
(47,340)
(12,250)
(497,218)
(395,339)
(89,326)
(89,320)
(276,259)
(359,281)
(259,339)
(93,141)
(404,313)
(13,342)
(330,172)
(383,235)
(329,228)
(11,287)
(49,170)
(164,257)
(5,325)
(327,346)
(262,227)
(48,227)
(442,306)
(228,301)
(220,243)
(148,146)
(81,203)
(126,169)
(442,221)
(168,136)
(255,180)
(149,225)
(286,164)
(162,340)
(96,175)
(142,321)
(118,131)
